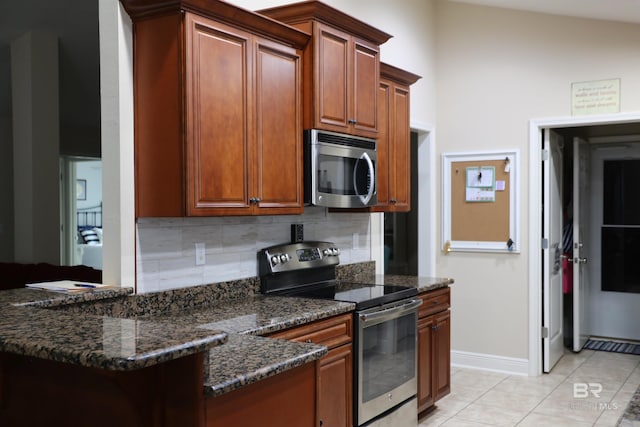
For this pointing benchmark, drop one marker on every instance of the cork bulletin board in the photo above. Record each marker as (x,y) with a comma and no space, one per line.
(480,209)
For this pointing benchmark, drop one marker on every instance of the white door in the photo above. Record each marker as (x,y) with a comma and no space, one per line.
(552,262)
(581,176)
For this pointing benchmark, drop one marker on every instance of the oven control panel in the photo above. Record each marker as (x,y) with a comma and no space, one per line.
(297,256)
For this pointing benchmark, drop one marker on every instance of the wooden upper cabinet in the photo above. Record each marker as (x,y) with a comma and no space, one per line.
(244,125)
(218,111)
(394,140)
(341,68)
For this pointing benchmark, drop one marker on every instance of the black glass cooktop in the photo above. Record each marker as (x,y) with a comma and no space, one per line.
(363,295)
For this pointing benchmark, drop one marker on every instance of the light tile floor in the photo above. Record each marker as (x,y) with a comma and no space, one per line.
(481,398)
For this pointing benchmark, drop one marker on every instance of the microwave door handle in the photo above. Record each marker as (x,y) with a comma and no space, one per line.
(365,199)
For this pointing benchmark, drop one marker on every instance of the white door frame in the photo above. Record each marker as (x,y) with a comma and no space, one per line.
(535,217)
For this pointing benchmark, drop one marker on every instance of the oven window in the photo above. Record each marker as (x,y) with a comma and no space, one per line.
(388,356)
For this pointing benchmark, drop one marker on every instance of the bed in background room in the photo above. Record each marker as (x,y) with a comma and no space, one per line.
(89,242)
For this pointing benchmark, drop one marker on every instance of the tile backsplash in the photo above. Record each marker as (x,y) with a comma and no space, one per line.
(166,256)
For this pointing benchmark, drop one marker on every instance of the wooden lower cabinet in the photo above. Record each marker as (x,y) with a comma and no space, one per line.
(334,397)
(287,399)
(434,348)
(335,388)
(38,392)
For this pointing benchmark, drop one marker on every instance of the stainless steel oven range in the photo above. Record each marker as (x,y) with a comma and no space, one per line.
(385,335)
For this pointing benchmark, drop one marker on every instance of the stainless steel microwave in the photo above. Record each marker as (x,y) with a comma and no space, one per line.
(340,170)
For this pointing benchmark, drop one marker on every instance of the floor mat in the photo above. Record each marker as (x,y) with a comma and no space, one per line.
(613,346)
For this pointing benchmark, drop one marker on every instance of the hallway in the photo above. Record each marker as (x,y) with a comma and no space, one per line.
(481,398)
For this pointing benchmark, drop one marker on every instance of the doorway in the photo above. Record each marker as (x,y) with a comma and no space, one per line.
(614,294)
(591,128)
(81,211)
(401,228)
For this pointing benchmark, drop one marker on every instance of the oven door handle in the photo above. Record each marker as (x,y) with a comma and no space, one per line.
(390,313)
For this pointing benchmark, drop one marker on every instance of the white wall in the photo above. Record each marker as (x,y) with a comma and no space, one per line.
(497,69)
(116,108)
(6,190)
(35,125)
(91,172)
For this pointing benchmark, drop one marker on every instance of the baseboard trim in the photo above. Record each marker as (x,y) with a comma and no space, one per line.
(490,362)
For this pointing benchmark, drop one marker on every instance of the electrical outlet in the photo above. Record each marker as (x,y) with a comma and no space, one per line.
(200,257)
(297,233)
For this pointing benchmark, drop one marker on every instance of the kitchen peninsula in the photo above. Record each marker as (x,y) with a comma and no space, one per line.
(110,358)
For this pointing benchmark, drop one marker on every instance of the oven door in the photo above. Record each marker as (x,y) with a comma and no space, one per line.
(386,361)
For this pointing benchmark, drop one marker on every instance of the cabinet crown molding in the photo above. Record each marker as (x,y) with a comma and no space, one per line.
(222,11)
(315,10)
(397,74)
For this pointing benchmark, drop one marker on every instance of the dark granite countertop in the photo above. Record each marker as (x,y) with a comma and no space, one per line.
(108,329)
(92,341)
(247,357)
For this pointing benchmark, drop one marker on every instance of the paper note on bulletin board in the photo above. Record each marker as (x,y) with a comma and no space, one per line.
(480,184)
(480,222)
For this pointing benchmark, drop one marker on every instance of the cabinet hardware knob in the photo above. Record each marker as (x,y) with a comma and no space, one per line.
(393,201)
(352,121)
(309,341)
(435,302)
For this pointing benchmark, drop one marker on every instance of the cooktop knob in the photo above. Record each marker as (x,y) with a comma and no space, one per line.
(326,252)
(284,257)
(275,260)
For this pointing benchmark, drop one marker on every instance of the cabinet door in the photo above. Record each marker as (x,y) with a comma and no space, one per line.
(278,125)
(442,352)
(394,148)
(218,96)
(332,92)
(426,330)
(382,147)
(400,151)
(335,388)
(286,399)
(365,86)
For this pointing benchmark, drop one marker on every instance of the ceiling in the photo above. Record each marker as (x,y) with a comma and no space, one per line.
(76,24)
(610,10)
